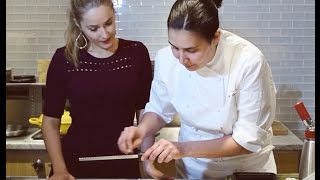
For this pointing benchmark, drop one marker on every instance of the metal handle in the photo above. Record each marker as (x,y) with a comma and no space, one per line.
(304,115)
(40,169)
(302,111)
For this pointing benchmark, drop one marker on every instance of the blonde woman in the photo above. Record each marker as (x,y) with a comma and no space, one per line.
(106,81)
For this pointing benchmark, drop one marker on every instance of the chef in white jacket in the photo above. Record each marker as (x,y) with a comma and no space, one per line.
(221,86)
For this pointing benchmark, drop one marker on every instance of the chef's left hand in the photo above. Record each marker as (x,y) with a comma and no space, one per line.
(164,151)
(152,172)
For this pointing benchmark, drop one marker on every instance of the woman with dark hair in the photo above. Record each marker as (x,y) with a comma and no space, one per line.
(107,81)
(221,86)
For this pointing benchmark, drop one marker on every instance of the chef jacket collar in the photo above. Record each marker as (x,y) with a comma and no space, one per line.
(216,65)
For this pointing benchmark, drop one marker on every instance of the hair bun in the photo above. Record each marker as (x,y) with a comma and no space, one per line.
(218,3)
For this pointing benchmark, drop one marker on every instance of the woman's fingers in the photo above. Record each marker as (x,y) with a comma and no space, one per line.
(146,155)
(129,140)
(165,156)
(162,150)
(122,142)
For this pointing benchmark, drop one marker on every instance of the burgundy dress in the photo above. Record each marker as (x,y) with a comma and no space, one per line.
(104,94)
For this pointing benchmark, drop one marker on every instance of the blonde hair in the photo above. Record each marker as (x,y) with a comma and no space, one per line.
(75,13)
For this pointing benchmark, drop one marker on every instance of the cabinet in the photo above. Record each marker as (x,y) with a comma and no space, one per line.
(20,162)
(287,160)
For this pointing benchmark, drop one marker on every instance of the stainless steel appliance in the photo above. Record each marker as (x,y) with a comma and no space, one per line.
(307,160)
(14,130)
(17,112)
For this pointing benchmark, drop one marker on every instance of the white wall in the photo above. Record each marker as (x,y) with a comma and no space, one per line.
(283,29)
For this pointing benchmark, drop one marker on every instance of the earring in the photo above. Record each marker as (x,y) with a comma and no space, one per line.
(85,40)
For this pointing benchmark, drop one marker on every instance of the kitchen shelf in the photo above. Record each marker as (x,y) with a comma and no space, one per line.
(34,96)
(25,84)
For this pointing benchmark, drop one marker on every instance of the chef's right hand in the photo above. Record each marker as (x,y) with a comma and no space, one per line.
(61,176)
(130,138)
(152,172)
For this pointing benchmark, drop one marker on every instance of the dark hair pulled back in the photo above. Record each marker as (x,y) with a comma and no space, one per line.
(199,16)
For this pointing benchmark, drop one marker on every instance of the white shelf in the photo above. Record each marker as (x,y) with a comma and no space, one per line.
(25,84)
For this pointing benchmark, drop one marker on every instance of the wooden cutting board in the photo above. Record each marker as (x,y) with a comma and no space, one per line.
(279,128)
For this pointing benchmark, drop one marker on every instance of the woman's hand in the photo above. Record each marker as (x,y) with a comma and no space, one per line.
(61,176)
(130,138)
(164,151)
(152,172)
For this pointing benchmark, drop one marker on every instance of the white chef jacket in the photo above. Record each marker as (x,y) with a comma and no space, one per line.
(234,94)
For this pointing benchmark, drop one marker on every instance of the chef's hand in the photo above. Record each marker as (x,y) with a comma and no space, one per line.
(164,151)
(152,172)
(61,176)
(130,138)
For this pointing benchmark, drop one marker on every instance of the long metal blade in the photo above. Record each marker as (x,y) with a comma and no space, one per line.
(103,158)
